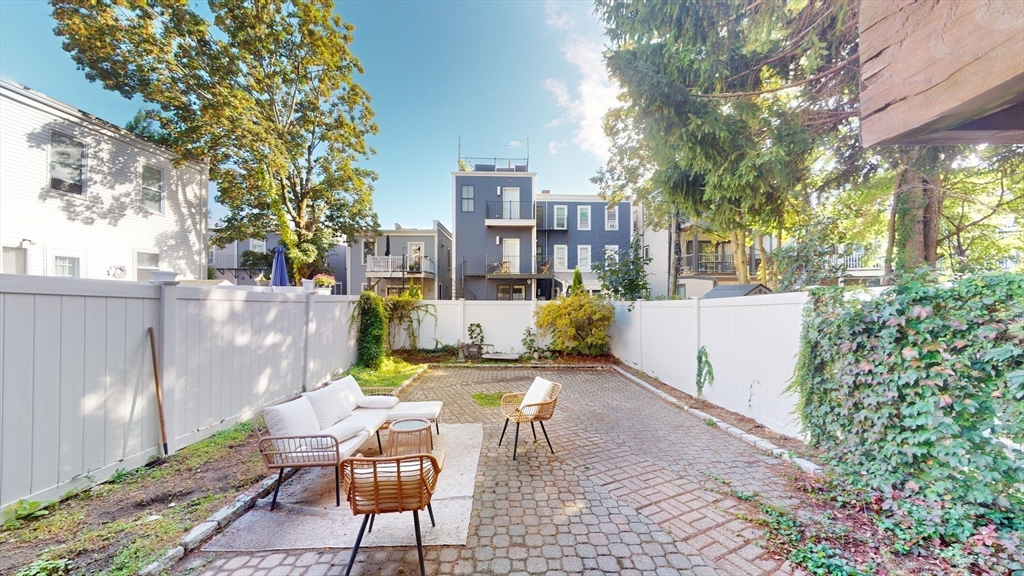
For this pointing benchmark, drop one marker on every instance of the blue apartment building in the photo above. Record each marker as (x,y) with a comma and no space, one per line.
(513,242)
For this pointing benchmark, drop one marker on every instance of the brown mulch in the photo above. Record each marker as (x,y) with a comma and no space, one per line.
(157,504)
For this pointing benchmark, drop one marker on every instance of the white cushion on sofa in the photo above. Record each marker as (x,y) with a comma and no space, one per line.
(369,418)
(330,405)
(292,418)
(349,389)
(538,393)
(345,429)
(377,402)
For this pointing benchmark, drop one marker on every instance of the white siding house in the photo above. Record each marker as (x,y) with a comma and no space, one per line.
(83,198)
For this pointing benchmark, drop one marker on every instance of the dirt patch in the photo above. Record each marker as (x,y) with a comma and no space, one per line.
(748,425)
(122,525)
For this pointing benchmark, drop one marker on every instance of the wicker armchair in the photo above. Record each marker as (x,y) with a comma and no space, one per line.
(390,484)
(535,405)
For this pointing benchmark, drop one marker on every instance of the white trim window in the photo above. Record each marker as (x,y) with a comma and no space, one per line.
(561,217)
(561,258)
(611,218)
(67,266)
(145,264)
(468,203)
(258,246)
(369,249)
(583,217)
(67,164)
(611,254)
(583,257)
(152,195)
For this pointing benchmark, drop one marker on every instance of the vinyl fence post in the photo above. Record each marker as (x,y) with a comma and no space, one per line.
(167,347)
(307,337)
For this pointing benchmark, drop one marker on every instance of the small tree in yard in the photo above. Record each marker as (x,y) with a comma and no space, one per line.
(625,276)
(372,320)
(577,324)
(577,283)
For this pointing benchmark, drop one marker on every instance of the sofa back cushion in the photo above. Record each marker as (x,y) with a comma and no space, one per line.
(330,404)
(293,418)
(537,394)
(349,389)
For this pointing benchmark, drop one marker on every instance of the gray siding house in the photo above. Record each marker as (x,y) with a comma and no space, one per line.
(512,243)
(394,260)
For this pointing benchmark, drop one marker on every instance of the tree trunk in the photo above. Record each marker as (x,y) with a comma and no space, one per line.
(739,256)
(673,260)
(890,241)
(763,272)
(918,209)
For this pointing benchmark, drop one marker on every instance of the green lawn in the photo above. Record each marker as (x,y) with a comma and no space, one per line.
(488,399)
(392,372)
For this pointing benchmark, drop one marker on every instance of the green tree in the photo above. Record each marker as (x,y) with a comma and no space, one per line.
(265,91)
(577,324)
(372,320)
(145,125)
(625,276)
(577,283)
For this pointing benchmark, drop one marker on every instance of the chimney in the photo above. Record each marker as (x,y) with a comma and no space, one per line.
(545,191)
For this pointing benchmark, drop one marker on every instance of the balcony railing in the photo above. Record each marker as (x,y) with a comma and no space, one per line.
(715,264)
(510,210)
(400,264)
(467,164)
(855,262)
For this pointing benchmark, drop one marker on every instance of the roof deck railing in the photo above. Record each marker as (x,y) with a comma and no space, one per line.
(467,164)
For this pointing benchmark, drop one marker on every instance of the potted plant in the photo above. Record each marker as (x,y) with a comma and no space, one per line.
(323,283)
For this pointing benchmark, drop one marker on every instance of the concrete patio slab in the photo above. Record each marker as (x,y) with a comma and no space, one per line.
(307,517)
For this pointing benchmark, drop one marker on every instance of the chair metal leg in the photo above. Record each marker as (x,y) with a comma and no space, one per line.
(503,432)
(419,541)
(430,510)
(352,559)
(372,518)
(337,486)
(516,445)
(379,447)
(280,475)
(437,424)
(545,430)
(534,428)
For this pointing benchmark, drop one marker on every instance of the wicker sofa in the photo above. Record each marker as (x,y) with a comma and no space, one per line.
(321,428)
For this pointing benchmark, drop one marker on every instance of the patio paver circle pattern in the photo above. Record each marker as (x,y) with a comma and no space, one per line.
(634,487)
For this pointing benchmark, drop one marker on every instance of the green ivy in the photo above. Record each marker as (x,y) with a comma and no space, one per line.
(372,340)
(705,372)
(918,393)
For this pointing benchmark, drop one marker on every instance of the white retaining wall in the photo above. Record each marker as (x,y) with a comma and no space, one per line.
(752,344)
(77,394)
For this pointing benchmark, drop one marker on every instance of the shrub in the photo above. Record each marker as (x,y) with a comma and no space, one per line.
(323,281)
(919,394)
(476,333)
(373,331)
(577,283)
(577,324)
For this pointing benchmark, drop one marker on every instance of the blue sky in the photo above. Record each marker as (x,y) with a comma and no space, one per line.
(495,73)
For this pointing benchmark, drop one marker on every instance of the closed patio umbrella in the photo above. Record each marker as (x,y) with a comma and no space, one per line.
(279,272)
(387,245)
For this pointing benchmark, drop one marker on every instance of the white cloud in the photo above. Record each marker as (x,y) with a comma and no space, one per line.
(595,94)
(554,147)
(515,144)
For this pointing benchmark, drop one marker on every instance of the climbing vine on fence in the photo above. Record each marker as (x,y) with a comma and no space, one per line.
(919,392)
(406,312)
(372,322)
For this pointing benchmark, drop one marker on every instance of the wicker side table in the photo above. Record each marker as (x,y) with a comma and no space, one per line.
(409,437)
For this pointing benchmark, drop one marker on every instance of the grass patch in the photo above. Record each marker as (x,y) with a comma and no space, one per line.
(488,399)
(392,372)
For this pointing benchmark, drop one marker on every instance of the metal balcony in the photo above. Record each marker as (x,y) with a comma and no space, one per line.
(510,213)
(398,265)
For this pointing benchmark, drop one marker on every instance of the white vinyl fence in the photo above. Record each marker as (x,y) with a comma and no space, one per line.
(77,392)
(752,344)
(503,323)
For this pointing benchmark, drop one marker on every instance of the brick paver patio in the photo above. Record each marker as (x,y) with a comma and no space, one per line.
(635,487)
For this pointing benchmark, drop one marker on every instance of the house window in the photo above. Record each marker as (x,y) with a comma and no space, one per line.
(395,291)
(467,199)
(369,249)
(145,263)
(15,260)
(583,217)
(611,253)
(560,217)
(647,252)
(583,257)
(66,267)
(67,164)
(259,246)
(519,292)
(611,218)
(561,258)
(152,188)
(504,291)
